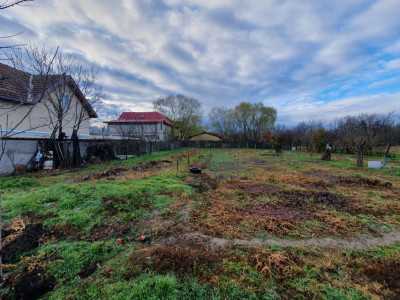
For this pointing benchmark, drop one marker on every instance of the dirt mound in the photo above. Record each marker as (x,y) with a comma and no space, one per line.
(349,180)
(154,164)
(357,181)
(293,199)
(318,173)
(329,199)
(386,272)
(66,230)
(319,185)
(200,263)
(256,187)
(105,174)
(109,230)
(31,281)
(19,238)
(202,182)
(33,284)
(87,271)
(256,161)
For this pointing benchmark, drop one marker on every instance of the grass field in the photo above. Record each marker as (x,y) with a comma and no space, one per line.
(252,225)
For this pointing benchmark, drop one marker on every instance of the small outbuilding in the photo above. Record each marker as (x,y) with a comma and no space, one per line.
(205,136)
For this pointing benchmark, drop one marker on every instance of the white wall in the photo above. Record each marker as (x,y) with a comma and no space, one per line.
(16,152)
(148,131)
(40,117)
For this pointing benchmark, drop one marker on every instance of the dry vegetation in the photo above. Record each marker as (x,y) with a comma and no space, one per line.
(229,232)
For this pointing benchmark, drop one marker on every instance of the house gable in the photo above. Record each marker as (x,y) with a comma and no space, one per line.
(20,90)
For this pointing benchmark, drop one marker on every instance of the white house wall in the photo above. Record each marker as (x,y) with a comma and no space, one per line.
(147,131)
(39,118)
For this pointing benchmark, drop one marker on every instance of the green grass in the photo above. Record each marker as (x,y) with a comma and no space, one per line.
(67,201)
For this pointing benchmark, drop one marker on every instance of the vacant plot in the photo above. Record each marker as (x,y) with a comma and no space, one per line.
(253,224)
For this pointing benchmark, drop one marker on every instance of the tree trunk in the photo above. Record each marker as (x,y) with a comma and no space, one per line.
(387,151)
(360,156)
(327,155)
(76,155)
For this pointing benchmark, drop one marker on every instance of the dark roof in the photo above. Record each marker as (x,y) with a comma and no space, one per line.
(205,132)
(14,84)
(20,86)
(141,117)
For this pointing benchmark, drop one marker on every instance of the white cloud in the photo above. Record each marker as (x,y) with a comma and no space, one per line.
(381,103)
(223,52)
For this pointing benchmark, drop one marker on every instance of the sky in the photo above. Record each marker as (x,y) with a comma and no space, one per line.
(310,59)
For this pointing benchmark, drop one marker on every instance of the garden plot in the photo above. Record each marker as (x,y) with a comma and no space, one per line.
(252,225)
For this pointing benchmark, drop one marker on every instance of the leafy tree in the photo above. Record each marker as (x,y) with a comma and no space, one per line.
(319,139)
(254,119)
(184,112)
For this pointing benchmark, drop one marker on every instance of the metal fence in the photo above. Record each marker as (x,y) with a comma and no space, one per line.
(132,148)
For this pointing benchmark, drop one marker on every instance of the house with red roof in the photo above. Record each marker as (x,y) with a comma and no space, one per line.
(146,126)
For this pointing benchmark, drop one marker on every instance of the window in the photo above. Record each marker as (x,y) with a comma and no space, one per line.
(65,102)
(161,125)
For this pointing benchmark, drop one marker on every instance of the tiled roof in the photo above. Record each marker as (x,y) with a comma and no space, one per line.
(142,117)
(17,85)
(14,84)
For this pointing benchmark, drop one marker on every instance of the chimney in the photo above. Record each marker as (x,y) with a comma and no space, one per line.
(30,88)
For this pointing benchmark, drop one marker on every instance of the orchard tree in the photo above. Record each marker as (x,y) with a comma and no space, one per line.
(363,132)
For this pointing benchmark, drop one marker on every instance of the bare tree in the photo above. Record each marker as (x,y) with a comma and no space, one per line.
(7,4)
(66,79)
(363,132)
(131,134)
(5,132)
(223,122)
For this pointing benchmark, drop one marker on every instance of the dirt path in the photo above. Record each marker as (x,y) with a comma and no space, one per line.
(362,242)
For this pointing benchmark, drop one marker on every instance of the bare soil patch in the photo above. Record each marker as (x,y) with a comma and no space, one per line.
(31,281)
(104,231)
(199,262)
(357,181)
(201,182)
(331,200)
(386,272)
(152,165)
(256,188)
(114,173)
(283,213)
(109,174)
(20,237)
(349,180)
(256,161)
